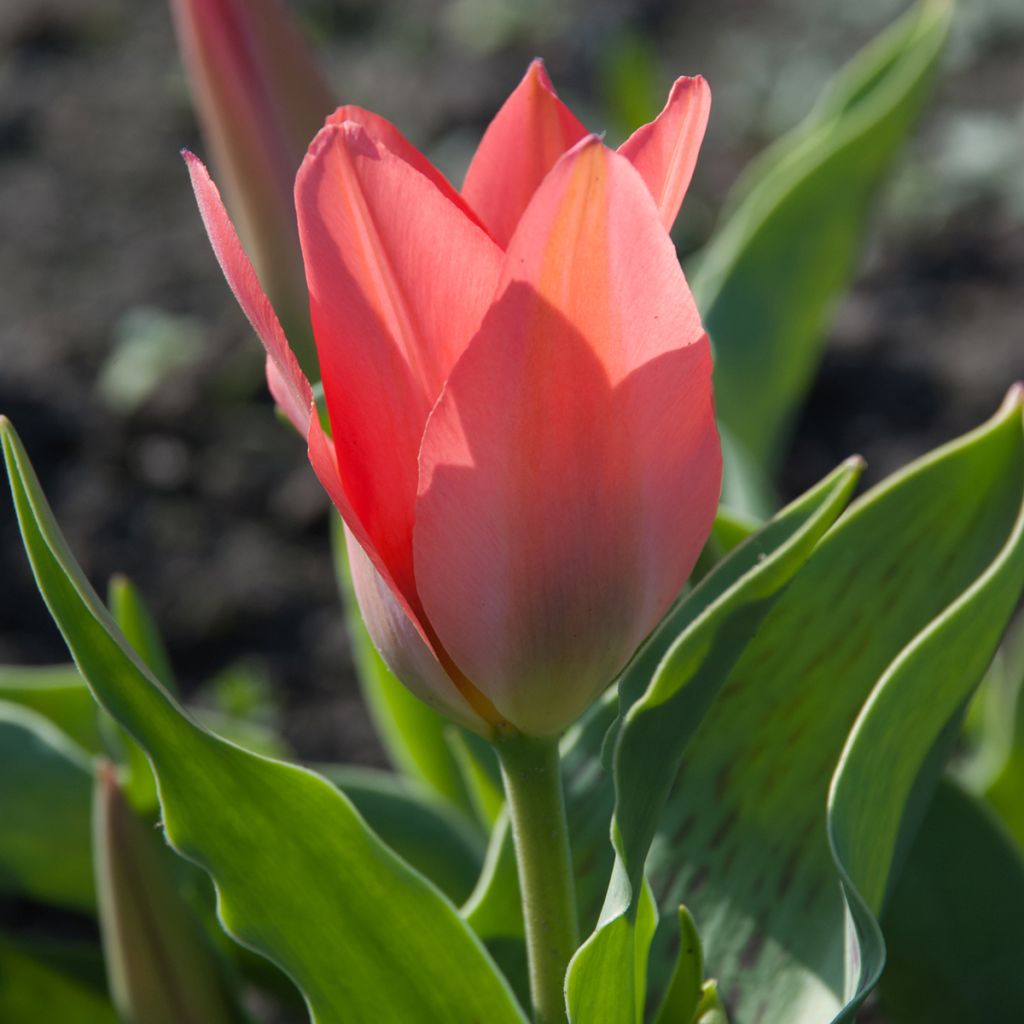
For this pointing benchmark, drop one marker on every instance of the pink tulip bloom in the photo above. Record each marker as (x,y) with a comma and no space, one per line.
(523,443)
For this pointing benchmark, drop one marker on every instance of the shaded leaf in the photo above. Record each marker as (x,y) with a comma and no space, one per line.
(416,824)
(58,693)
(36,988)
(954,924)
(45,799)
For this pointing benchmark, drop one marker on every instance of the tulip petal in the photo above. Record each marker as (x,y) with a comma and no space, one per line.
(400,643)
(523,142)
(381,130)
(665,151)
(287,382)
(399,280)
(570,471)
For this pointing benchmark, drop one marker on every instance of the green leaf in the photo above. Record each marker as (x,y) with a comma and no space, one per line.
(881,602)
(416,824)
(743,839)
(140,630)
(300,877)
(480,773)
(413,734)
(953,924)
(926,685)
(687,982)
(787,247)
(663,696)
(35,987)
(58,693)
(45,796)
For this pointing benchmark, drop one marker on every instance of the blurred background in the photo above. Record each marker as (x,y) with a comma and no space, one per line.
(136,383)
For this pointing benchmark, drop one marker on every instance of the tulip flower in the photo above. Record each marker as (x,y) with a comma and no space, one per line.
(523,444)
(260,98)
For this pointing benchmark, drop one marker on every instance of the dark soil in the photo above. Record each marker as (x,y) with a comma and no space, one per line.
(207,503)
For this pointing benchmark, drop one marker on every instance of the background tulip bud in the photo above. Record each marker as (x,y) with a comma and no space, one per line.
(160,967)
(260,99)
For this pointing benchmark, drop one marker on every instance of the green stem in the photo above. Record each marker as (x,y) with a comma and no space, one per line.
(533,786)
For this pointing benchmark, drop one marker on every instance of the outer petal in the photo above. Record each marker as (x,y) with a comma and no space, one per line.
(401,644)
(665,151)
(288,384)
(286,380)
(523,142)
(570,471)
(399,280)
(381,130)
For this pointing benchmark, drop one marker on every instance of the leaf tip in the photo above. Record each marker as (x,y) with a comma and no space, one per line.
(1014,397)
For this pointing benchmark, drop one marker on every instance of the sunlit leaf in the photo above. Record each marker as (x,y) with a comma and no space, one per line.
(300,877)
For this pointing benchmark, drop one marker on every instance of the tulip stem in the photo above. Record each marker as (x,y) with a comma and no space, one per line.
(531,772)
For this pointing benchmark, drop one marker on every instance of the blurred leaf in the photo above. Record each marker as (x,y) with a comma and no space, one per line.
(149,345)
(663,696)
(140,630)
(250,735)
(494,910)
(34,988)
(58,693)
(997,769)
(412,733)
(685,987)
(630,82)
(788,243)
(954,925)
(299,876)
(419,827)
(45,796)
(160,968)
(481,774)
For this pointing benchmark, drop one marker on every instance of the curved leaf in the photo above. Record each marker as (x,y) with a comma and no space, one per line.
(300,878)
(926,685)
(45,800)
(743,840)
(767,280)
(58,693)
(416,824)
(663,696)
